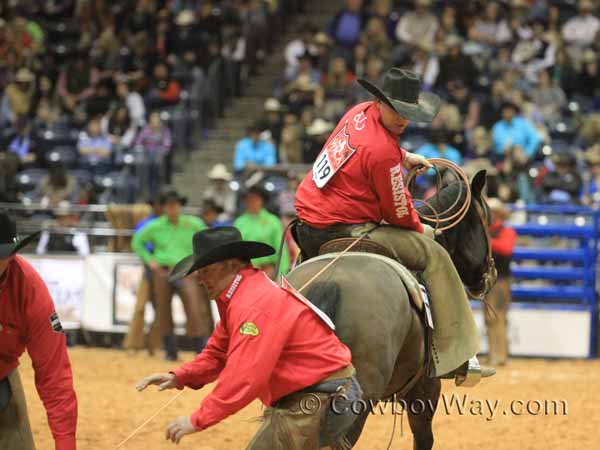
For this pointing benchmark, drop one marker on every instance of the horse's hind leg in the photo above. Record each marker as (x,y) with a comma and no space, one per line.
(421,403)
(356,430)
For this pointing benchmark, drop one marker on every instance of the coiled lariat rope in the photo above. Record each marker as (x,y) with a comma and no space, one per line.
(443,220)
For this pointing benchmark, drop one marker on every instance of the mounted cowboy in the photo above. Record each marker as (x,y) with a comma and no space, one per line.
(270,343)
(357,187)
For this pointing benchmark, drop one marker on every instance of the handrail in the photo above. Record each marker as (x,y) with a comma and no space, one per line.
(79,208)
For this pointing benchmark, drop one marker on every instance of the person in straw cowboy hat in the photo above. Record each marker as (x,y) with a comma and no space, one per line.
(357,183)
(271,343)
(28,321)
(503,240)
(220,192)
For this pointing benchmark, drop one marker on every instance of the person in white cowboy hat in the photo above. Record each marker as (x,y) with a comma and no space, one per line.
(316,135)
(28,321)
(219,191)
(580,30)
(20,93)
(357,183)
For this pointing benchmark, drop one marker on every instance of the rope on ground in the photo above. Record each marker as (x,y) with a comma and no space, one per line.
(148,420)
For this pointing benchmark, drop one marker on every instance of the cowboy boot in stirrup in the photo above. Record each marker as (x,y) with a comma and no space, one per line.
(470,373)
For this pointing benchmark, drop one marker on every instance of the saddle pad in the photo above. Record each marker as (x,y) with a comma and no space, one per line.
(410,282)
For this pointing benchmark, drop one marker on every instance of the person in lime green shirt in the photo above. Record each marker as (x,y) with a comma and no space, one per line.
(171,236)
(258,224)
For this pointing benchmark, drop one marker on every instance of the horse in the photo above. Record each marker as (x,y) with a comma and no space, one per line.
(373,315)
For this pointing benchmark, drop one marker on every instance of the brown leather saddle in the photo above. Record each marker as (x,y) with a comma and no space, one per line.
(367,246)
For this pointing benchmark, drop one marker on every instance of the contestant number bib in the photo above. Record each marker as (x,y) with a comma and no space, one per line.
(334,155)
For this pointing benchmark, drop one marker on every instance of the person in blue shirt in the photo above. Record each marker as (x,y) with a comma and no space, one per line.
(514,133)
(253,151)
(438,147)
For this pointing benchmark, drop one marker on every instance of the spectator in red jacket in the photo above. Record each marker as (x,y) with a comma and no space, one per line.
(503,244)
(28,321)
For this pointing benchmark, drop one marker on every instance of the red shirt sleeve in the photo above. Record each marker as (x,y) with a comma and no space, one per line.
(208,364)
(171,94)
(250,363)
(504,243)
(47,348)
(387,178)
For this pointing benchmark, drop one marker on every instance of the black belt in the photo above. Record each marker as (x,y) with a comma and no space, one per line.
(5,393)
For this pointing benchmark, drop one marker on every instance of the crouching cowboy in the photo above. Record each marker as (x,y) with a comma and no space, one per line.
(271,344)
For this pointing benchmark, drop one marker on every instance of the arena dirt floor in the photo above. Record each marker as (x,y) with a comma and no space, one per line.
(110,408)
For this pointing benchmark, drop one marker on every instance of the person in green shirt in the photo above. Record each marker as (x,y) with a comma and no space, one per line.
(171,236)
(258,224)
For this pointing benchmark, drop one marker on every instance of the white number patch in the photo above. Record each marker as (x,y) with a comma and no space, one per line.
(335,154)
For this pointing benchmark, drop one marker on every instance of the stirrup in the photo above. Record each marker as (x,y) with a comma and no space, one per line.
(470,373)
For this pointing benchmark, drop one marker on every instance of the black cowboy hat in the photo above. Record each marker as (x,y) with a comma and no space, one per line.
(215,245)
(10,242)
(402,92)
(169,196)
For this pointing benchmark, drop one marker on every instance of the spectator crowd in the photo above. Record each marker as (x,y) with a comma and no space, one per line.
(519,79)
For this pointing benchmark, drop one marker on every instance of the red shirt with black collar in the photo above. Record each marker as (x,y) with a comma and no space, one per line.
(368,186)
(28,321)
(267,345)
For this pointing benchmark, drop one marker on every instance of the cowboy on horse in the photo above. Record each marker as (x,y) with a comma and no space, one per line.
(357,187)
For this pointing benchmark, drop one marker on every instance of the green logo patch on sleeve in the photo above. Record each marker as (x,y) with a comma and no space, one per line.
(250,329)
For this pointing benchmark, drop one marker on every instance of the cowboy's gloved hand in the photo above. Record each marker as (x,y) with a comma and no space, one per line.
(179,428)
(164,381)
(413,160)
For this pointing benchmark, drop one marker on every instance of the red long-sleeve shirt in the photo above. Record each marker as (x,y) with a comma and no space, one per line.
(369,186)
(504,239)
(28,321)
(267,344)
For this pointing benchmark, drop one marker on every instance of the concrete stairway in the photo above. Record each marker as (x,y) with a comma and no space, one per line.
(191,181)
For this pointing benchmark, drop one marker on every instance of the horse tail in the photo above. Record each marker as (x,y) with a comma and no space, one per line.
(325,295)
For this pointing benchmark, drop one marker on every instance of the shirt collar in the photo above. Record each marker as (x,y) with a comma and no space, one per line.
(231,289)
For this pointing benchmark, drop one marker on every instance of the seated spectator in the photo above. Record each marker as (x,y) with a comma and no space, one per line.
(382,9)
(272,122)
(211,213)
(467,104)
(23,143)
(155,143)
(163,90)
(580,31)
(258,224)
(323,44)
(46,106)
(501,63)
(588,84)
(134,102)
(99,103)
(491,109)
(376,40)
(455,65)
(19,95)
(549,98)
(480,145)
(9,187)
(514,132)
(490,29)
(303,93)
(438,147)
(418,26)
(298,47)
(64,241)
(290,149)
(95,148)
(119,127)
(338,84)
(373,72)
(347,24)
(563,183)
(359,61)
(591,188)
(220,193)
(448,23)
(253,151)
(76,82)
(589,133)
(306,68)
(424,62)
(536,53)
(58,186)
(316,136)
